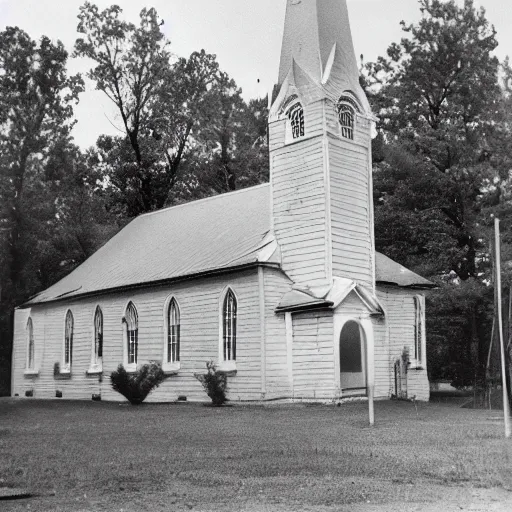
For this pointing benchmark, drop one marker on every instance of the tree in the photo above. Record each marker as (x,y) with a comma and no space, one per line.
(437,94)
(230,151)
(130,66)
(443,169)
(179,116)
(36,115)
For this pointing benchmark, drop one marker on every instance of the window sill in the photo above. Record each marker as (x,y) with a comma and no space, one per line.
(229,373)
(62,376)
(226,366)
(131,368)
(31,373)
(92,372)
(171,368)
(416,367)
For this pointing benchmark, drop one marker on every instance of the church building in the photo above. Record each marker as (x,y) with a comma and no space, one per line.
(278,284)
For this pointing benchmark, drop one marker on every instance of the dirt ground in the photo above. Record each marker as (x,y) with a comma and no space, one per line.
(99,457)
(468,499)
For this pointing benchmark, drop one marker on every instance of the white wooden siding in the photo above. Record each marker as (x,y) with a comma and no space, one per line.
(277,131)
(299,205)
(276,285)
(400,317)
(350,211)
(199,305)
(382,369)
(313,355)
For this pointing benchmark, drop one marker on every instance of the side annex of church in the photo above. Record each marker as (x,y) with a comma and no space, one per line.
(278,284)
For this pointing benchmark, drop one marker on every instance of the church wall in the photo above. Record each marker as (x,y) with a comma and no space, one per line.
(276,284)
(19,348)
(298,199)
(313,355)
(400,318)
(382,375)
(48,322)
(350,210)
(199,303)
(276,134)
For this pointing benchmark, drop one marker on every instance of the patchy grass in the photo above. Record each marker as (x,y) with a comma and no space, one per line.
(100,456)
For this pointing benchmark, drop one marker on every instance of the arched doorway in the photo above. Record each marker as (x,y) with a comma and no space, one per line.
(352,358)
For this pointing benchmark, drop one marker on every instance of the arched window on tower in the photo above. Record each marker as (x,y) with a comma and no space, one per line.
(296,116)
(347,108)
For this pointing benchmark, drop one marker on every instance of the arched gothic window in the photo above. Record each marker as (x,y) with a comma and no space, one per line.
(173,332)
(132,333)
(229,311)
(296,116)
(68,340)
(347,108)
(418,330)
(98,335)
(346,116)
(31,347)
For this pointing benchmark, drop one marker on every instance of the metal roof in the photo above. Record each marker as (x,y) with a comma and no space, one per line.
(328,297)
(223,232)
(392,273)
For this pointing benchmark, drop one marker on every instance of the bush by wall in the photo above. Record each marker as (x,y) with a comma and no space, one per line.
(214,383)
(135,387)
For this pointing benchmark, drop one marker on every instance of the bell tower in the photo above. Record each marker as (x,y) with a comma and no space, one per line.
(320,129)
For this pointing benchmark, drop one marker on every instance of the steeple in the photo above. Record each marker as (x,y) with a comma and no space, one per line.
(320,128)
(317,39)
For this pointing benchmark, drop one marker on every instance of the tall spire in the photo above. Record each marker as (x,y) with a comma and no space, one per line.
(318,39)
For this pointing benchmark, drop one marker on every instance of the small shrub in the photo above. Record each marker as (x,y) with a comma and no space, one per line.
(58,394)
(135,387)
(29,393)
(214,383)
(56,369)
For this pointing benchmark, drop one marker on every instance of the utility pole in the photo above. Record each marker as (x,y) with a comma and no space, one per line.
(497,252)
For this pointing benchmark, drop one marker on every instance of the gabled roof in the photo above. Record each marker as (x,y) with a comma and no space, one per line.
(221,233)
(299,299)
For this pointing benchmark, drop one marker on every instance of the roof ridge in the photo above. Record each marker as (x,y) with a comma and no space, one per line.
(203,200)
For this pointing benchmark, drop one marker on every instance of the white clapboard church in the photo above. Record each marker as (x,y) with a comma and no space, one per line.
(278,284)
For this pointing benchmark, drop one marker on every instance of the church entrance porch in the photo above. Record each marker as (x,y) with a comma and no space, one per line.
(353,367)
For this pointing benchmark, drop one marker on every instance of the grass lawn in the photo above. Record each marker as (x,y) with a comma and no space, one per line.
(91,456)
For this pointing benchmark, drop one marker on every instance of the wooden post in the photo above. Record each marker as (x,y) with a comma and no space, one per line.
(370,366)
(506,413)
(371,412)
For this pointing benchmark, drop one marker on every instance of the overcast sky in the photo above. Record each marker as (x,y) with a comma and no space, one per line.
(244,34)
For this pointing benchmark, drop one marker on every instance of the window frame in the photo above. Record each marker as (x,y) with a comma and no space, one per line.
(296,132)
(228,364)
(291,105)
(68,342)
(347,107)
(419,345)
(173,365)
(30,363)
(96,365)
(129,334)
